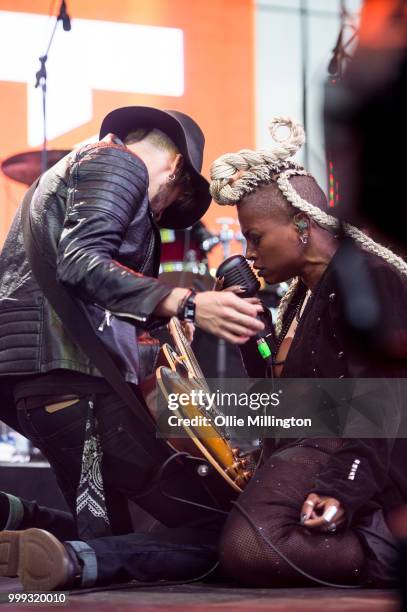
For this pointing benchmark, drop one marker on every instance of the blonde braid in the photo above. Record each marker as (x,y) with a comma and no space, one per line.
(367,244)
(328,222)
(256,166)
(283,305)
(319,216)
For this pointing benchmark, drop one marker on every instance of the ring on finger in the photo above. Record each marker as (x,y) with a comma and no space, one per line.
(332,527)
(330,513)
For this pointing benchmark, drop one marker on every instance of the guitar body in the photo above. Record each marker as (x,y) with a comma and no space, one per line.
(178,372)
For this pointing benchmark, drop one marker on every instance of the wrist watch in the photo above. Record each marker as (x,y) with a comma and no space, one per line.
(186,311)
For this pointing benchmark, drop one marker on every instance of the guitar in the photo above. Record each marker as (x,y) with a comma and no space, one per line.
(179,372)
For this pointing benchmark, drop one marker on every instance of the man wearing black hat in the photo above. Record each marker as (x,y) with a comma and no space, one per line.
(85,243)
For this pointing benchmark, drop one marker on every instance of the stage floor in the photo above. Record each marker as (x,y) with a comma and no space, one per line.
(213,598)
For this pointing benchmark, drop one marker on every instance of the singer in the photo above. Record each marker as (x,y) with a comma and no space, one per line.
(324,504)
(98,249)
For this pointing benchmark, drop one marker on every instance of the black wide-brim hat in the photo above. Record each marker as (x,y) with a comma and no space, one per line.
(190,141)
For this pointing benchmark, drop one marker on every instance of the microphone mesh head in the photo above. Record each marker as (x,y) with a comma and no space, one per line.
(235,270)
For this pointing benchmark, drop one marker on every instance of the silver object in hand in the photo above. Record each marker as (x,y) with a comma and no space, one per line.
(330,513)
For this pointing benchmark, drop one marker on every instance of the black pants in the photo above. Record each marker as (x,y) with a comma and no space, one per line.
(128,471)
(179,553)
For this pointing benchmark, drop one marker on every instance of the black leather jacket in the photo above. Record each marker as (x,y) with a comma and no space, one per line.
(91,214)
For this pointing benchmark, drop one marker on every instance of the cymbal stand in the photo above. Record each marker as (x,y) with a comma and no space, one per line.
(41,80)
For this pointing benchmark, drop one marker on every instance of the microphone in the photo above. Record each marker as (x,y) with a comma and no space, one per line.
(64,17)
(235,270)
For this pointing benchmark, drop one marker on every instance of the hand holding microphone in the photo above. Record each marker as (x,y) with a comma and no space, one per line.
(228,316)
(222,313)
(236,275)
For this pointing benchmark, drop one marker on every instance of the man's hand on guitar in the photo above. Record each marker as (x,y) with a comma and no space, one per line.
(228,316)
(189,329)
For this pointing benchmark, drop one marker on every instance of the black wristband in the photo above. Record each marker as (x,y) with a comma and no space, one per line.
(186,311)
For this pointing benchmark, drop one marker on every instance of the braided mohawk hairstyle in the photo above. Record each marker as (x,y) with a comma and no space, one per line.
(236,175)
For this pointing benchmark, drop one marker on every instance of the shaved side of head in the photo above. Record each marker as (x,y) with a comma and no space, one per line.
(268,200)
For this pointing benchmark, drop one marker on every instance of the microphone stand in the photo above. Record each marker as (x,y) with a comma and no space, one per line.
(41,81)
(226,235)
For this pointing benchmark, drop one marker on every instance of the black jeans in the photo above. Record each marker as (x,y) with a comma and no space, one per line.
(58,522)
(128,471)
(162,554)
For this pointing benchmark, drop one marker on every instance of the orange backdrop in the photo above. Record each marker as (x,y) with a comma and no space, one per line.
(219,81)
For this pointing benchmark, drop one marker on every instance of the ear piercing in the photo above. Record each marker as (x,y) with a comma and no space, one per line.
(302,226)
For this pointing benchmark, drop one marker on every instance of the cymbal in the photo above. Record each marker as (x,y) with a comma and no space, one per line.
(26,167)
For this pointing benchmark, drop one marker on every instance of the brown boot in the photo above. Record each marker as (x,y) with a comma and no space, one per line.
(42,562)
(9,553)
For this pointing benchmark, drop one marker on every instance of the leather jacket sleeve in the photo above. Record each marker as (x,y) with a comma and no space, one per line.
(106,192)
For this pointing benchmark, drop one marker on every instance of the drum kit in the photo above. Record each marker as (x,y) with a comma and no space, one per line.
(184,253)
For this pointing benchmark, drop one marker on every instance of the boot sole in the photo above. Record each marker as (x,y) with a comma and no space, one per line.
(9,553)
(36,556)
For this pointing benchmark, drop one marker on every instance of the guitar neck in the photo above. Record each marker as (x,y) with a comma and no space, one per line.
(182,345)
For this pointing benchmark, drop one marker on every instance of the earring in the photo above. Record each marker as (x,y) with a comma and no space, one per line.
(171,178)
(302,227)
